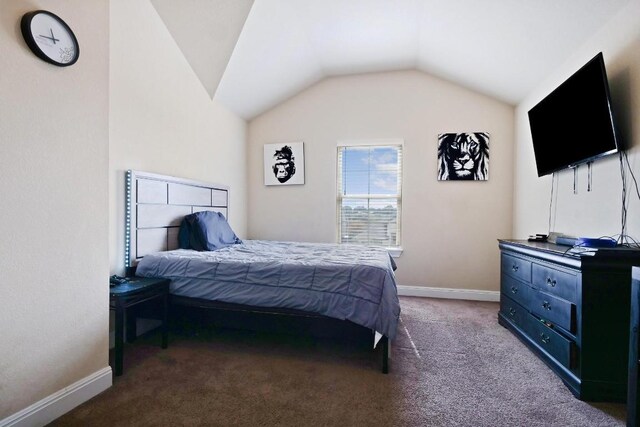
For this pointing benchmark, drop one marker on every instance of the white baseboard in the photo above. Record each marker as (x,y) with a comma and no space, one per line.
(61,402)
(466,294)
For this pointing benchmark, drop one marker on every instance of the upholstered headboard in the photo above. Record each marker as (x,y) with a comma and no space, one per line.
(155,205)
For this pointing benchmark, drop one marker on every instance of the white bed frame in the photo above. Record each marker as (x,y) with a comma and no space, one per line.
(155,206)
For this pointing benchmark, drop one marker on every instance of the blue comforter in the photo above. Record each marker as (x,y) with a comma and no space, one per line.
(349,282)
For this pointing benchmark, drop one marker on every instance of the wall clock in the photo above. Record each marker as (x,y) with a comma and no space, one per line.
(50,38)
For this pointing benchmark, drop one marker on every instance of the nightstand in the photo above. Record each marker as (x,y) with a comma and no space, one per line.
(136,290)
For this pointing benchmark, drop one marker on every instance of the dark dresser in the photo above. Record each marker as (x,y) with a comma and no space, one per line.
(633,418)
(572,311)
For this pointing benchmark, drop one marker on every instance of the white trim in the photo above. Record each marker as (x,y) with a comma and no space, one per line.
(62,401)
(372,141)
(465,294)
(395,252)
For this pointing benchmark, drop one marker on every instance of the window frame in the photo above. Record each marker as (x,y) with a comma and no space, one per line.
(395,251)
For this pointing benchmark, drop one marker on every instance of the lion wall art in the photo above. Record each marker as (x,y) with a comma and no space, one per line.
(463,156)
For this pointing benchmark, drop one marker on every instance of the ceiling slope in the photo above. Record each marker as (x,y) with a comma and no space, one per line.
(206,31)
(502,48)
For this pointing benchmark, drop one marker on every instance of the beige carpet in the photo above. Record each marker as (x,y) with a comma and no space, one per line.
(452,365)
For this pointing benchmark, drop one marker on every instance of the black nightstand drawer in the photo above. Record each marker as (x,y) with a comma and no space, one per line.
(559,347)
(555,310)
(512,311)
(516,267)
(557,282)
(515,289)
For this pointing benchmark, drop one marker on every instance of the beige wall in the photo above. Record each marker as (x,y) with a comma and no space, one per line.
(595,213)
(55,157)
(449,228)
(53,192)
(162,119)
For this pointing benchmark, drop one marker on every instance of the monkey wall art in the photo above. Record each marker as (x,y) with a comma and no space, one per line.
(284,163)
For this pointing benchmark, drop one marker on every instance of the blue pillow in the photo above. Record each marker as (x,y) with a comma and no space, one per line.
(206,231)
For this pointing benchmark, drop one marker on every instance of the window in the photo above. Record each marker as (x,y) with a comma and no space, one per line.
(370,194)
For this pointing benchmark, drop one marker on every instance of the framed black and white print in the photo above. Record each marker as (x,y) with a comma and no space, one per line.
(463,156)
(284,163)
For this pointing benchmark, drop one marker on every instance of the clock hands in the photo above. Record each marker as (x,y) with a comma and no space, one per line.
(49,38)
(52,38)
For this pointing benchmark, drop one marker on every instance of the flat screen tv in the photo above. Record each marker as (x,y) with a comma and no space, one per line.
(574,123)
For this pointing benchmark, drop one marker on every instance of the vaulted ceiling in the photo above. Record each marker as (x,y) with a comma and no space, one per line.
(206,32)
(502,48)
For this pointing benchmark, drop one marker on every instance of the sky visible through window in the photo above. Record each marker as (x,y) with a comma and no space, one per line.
(369,171)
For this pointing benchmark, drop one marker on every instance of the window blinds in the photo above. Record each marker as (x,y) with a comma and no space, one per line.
(369,196)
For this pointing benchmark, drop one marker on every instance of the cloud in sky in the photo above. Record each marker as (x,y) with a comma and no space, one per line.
(371,170)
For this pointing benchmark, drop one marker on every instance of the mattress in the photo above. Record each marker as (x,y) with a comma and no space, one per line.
(347,282)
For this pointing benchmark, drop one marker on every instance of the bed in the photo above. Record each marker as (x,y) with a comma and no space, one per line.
(346,282)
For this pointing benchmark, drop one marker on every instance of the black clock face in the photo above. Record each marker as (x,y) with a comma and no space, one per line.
(50,38)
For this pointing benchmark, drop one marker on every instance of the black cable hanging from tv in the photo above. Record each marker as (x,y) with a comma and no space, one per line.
(625,239)
(623,216)
(553,177)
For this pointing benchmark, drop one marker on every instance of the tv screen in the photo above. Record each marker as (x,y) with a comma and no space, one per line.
(574,124)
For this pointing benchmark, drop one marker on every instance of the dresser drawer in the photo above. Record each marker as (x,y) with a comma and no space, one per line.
(516,267)
(513,311)
(558,347)
(556,282)
(555,310)
(515,289)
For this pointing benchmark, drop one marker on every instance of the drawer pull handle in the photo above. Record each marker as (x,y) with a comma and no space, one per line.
(546,305)
(551,282)
(514,267)
(545,338)
(512,311)
(514,290)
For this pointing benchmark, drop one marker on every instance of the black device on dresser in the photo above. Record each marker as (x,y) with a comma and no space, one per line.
(572,311)
(126,294)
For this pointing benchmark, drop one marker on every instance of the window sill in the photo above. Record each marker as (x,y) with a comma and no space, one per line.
(395,252)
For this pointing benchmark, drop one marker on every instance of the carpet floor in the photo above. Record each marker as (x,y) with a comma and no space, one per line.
(451,365)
